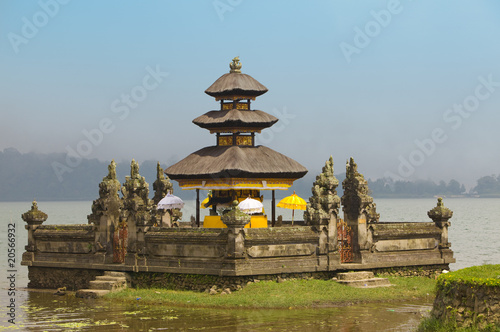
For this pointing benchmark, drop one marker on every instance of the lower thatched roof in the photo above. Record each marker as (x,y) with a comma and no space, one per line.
(236,162)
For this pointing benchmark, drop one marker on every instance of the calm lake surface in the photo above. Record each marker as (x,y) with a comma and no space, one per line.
(474,234)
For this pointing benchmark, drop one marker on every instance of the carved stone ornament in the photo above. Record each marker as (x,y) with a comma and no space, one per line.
(324,202)
(235,65)
(235,218)
(34,216)
(162,186)
(440,212)
(356,199)
(109,202)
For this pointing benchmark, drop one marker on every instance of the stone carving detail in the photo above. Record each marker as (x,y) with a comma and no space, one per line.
(235,65)
(33,219)
(135,192)
(324,202)
(440,213)
(235,218)
(356,200)
(108,204)
(162,186)
(34,216)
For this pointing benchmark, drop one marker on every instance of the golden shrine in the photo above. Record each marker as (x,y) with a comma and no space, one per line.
(235,168)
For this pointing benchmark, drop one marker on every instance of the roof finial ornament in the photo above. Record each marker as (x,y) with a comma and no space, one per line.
(235,65)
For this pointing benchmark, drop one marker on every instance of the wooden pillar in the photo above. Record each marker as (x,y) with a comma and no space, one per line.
(273,210)
(198,207)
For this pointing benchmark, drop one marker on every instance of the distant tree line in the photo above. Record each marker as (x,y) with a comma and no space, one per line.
(387,187)
(488,186)
(28,176)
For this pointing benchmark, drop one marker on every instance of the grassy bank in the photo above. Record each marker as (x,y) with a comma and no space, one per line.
(291,293)
(484,275)
(463,299)
(435,325)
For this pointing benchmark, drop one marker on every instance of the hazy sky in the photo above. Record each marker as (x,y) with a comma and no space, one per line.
(408,88)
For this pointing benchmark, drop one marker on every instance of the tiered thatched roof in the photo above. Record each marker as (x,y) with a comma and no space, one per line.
(236,84)
(236,162)
(235,118)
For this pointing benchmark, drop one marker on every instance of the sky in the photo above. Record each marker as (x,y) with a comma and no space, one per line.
(409,89)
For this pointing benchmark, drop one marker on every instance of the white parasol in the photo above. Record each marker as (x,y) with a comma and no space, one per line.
(251,206)
(170,202)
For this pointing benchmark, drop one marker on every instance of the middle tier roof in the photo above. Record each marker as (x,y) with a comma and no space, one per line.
(217,121)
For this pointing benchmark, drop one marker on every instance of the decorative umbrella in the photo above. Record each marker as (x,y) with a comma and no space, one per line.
(250,206)
(206,200)
(293,202)
(170,202)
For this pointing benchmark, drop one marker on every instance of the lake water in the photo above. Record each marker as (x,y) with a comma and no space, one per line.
(474,234)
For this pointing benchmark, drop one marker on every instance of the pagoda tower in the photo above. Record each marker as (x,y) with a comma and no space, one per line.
(235,168)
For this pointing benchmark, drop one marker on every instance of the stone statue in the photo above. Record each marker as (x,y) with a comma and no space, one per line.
(356,199)
(324,203)
(235,65)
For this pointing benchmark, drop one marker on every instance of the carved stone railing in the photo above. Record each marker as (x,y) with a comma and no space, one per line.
(69,239)
(396,236)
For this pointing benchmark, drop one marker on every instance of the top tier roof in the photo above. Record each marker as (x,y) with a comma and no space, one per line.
(236,84)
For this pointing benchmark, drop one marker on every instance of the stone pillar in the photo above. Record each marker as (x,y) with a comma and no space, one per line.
(323,207)
(33,219)
(235,220)
(359,209)
(162,186)
(137,210)
(440,215)
(106,213)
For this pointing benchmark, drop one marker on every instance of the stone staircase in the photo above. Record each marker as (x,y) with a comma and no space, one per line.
(362,279)
(111,281)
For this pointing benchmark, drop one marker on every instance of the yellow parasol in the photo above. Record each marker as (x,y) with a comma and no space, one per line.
(205,201)
(293,202)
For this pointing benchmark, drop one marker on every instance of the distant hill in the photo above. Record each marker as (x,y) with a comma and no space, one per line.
(24,177)
(47,177)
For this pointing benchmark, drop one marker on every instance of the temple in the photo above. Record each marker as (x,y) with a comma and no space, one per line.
(129,234)
(235,168)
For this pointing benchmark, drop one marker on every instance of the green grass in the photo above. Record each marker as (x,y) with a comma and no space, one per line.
(435,325)
(484,275)
(290,293)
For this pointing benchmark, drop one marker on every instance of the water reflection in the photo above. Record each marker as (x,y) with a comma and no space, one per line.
(43,311)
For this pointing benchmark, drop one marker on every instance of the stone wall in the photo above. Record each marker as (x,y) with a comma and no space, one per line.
(196,282)
(52,278)
(207,282)
(239,252)
(468,304)
(234,251)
